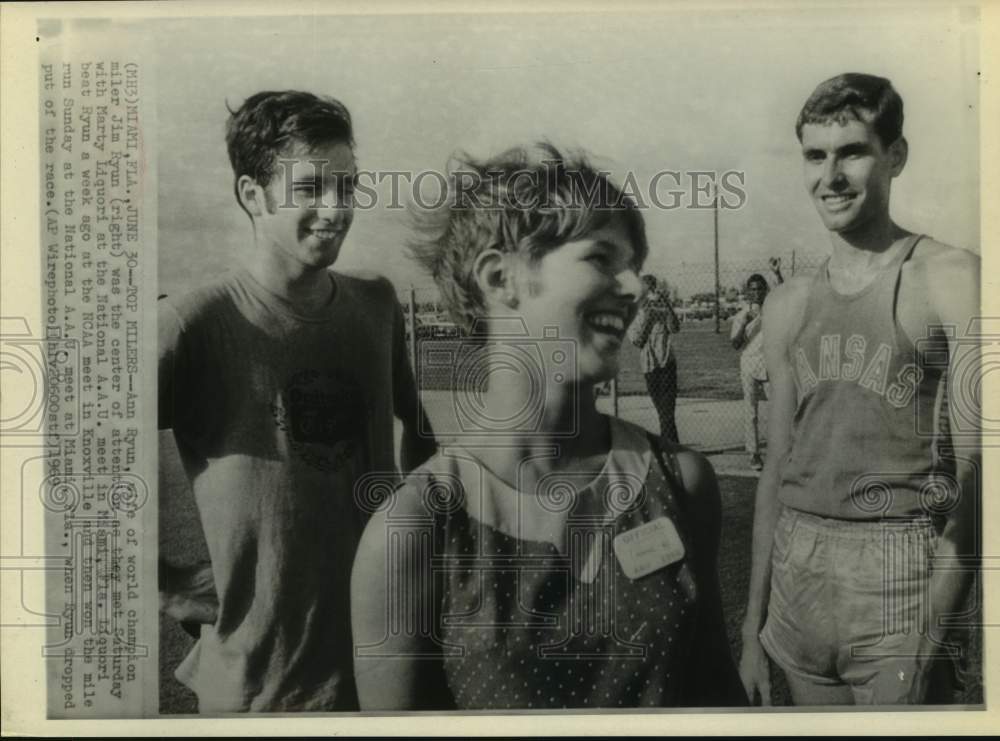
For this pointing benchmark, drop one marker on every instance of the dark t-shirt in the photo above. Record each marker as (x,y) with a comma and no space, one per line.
(276,416)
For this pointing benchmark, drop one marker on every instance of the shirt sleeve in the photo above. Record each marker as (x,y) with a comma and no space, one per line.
(169,338)
(404,387)
(738,321)
(664,312)
(637,328)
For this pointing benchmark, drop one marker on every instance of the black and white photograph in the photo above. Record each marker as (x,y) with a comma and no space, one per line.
(509,364)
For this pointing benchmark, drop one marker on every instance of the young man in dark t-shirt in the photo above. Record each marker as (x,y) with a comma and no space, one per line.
(280,382)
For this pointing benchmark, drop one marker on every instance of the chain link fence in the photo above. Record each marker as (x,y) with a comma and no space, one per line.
(709,409)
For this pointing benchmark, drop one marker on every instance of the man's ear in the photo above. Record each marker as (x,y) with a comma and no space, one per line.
(251,195)
(899,150)
(495,277)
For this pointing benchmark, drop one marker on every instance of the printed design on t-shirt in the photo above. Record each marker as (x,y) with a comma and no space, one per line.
(324,417)
(855,361)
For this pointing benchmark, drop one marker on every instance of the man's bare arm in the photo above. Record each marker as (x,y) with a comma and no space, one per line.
(953,286)
(782,315)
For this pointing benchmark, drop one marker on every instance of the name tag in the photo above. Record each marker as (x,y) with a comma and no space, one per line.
(648,547)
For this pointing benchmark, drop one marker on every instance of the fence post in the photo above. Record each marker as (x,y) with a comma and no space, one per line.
(715,233)
(412,322)
(614,396)
(793,262)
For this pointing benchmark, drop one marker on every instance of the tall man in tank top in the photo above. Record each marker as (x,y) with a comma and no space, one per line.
(858,510)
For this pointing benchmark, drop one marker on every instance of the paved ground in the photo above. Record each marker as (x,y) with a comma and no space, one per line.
(711,426)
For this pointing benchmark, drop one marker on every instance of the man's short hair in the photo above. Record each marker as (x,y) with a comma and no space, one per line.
(519,202)
(757,278)
(856,96)
(270,123)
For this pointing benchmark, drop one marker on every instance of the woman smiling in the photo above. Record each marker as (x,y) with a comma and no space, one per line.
(553,557)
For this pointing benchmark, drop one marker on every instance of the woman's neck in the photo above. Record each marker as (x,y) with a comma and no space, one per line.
(558,427)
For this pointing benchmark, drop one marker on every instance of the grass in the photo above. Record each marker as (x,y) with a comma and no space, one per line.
(707,365)
(181,543)
(175,698)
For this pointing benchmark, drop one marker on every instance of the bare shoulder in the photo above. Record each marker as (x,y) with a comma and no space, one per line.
(791,294)
(698,477)
(948,275)
(786,305)
(702,501)
(930,256)
(406,504)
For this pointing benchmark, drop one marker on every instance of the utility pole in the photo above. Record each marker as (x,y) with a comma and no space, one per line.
(411,320)
(715,236)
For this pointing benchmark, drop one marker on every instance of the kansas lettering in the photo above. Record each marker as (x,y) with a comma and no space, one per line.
(853,361)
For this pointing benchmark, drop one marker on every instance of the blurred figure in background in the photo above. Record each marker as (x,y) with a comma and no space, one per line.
(650,332)
(745,335)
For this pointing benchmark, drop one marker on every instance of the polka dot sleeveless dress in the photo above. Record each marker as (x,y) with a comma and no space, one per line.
(523,628)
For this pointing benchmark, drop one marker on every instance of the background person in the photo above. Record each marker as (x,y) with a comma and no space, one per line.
(574,560)
(745,335)
(651,332)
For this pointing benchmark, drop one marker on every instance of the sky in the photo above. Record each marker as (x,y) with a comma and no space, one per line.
(671,90)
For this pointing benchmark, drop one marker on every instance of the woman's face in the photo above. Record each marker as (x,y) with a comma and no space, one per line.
(583,293)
